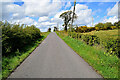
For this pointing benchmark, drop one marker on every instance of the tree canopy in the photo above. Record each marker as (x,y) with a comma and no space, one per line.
(67,16)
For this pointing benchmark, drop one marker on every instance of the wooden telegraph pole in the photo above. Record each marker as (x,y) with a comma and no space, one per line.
(73,15)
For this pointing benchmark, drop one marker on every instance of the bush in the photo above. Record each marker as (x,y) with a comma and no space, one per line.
(113,27)
(74,35)
(107,25)
(99,25)
(15,37)
(90,39)
(112,46)
(97,28)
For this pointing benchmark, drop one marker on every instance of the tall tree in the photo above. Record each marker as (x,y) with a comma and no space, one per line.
(55,29)
(49,30)
(67,16)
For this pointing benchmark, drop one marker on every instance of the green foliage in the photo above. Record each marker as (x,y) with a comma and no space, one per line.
(67,16)
(49,30)
(89,39)
(113,27)
(55,29)
(9,63)
(117,24)
(83,29)
(15,37)
(100,25)
(110,44)
(107,25)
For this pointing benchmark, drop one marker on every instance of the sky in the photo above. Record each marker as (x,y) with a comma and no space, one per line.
(45,13)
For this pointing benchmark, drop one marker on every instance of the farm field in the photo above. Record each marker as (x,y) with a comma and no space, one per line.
(106,34)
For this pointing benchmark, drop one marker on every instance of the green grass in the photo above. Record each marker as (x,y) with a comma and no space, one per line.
(11,62)
(106,65)
(105,34)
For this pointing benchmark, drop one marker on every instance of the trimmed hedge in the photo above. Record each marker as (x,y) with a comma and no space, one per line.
(110,45)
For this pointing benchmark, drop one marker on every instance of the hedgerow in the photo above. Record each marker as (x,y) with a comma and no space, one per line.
(16,36)
(111,45)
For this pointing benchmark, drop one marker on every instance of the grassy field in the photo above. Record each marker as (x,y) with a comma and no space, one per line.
(11,62)
(106,34)
(104,64)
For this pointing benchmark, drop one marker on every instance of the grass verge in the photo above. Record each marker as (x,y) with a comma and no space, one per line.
(11,62)
(106,65)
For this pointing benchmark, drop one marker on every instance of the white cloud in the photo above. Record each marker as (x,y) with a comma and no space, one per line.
(84,15)
(43,26)
(12,11)
(47,23)
(80,7)
(112,14)
(35,8)
(44,18)
(38,8)
(113,11)
(44,9)
(111,19)
(25,20)
(10,0)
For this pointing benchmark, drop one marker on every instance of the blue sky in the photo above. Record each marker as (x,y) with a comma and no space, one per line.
(45,14)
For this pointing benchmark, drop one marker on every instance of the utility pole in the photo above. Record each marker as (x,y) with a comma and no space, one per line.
(73,15)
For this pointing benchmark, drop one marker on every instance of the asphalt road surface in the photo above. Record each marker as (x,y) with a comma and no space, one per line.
(53,58)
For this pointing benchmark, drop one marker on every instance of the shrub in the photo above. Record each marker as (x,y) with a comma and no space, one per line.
(100,25)
(97,28)
(74,35)
(15,37)
(112,46)
(113,27)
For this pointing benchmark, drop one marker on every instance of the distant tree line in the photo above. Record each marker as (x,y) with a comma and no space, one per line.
(99,26)
(16,36)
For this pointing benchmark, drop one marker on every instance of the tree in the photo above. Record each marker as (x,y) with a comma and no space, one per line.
(55,29)
(15,37)
(107,25)
(99,26)
(49,29)
(67,16)
(117,24)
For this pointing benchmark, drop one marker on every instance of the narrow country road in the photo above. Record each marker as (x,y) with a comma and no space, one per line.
(53,58)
